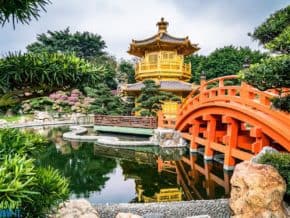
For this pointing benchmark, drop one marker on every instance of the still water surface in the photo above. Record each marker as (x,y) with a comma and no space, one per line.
(104,174)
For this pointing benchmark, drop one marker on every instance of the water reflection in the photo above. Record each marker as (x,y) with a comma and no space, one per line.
(199,179)
(105,174)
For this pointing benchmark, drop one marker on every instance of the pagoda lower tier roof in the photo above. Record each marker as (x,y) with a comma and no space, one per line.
(164,85)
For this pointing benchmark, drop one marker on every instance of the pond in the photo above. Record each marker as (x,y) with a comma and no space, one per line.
(103,174)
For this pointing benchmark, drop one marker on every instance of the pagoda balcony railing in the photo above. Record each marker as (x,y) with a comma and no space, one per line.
(163,70)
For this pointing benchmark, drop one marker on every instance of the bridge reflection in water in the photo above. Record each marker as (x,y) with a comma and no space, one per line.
(176,176)
(198,179)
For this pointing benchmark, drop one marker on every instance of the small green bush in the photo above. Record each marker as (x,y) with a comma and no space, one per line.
(17,177)
(23,184)
(13,141)
(52,189)
(281,161)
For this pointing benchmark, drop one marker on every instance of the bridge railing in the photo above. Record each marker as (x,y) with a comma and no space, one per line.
(126,121)
(226,89)
(218,90)
(166,121)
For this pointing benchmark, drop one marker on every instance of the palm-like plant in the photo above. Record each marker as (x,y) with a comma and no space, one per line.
(7,100)
(20,10)
(17,177)
(32,75)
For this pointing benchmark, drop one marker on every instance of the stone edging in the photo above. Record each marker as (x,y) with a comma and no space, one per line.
(182,209)
(34,124)
(77,131)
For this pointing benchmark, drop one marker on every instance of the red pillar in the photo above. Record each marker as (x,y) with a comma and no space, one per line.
(195,129)
(231,141)
(210,136)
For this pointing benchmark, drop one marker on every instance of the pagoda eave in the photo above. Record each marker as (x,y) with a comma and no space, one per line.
(181,48)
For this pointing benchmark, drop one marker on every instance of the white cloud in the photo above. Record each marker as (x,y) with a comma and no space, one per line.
(118,22)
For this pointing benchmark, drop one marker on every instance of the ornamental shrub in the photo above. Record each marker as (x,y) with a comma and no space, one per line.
(24,185)
(281,161)
(13,141)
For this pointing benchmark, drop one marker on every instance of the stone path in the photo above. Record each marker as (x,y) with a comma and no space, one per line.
(214,208)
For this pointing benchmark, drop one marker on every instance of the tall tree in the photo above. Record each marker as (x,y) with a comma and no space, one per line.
(22,11)
(223,61)
(126,72)
(84,44)
(272,28)
(151,99)
(273,73)
(196,61)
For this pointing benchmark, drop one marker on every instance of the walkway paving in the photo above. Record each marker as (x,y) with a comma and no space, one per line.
(183,209)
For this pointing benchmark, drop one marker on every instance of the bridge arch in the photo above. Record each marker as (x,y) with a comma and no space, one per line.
(234,120)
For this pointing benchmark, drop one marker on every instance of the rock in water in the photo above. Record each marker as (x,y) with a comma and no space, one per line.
(168,138)
(257,191)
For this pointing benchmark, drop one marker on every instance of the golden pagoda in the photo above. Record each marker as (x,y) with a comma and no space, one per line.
(161,58)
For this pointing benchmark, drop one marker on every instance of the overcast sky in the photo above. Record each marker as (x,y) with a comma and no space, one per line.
(210,23)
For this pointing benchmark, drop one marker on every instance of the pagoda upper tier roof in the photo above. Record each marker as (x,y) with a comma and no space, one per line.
(162,41)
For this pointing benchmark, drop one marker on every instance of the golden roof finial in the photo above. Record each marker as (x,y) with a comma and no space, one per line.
(162,25)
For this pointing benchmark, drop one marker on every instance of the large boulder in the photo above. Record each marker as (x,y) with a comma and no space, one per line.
(78,208)
(257,191)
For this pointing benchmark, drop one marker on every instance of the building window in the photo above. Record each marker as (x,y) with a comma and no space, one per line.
(153,58)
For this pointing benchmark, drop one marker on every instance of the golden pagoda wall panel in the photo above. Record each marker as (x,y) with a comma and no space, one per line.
(161,58)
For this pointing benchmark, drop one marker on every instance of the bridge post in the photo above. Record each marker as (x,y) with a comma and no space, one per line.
(194,133)
(231,141)
(210,136)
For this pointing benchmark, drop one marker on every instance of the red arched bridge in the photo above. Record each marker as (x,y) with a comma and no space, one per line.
(234,120)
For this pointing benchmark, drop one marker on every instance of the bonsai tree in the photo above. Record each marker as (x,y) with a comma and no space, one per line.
(151,99)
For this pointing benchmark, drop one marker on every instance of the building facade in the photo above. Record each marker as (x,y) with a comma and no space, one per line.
(161,58)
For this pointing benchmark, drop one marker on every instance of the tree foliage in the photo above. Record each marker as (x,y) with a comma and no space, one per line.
(84,44)
(196,63)
(33,75)
(105,102)
(126,72)
(22,11)
(273,26)
(273,72)
(151,99)
(223,61)
(281,43)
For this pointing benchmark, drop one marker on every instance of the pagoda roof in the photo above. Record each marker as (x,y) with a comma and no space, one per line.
(164,85)
(162,41)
